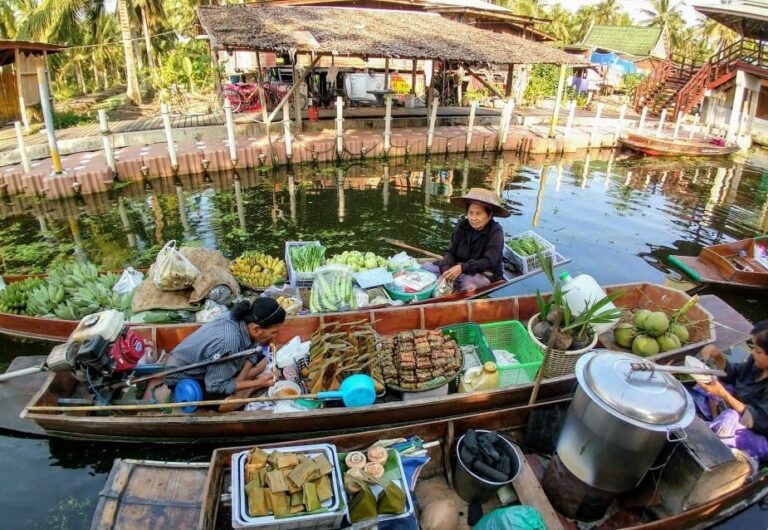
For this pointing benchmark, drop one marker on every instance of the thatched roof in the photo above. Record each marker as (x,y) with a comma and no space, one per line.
(367,33)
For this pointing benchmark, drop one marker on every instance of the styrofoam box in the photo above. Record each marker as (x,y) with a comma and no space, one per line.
(329,520)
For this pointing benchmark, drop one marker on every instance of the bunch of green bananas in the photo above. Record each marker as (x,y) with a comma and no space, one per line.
(44,298)
(13,299)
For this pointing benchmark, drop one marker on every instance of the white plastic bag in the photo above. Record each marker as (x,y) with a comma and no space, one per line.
(361,297)
(288,297)
(291,352)
(332,289)
(173,271)
(210,311)
(129,280)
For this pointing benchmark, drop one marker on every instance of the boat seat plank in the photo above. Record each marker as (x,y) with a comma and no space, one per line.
(15,394)
(726,316)
(143,494)
(529,492)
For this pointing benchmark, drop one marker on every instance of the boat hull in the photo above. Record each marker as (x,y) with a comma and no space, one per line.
(653,146)
(723,264)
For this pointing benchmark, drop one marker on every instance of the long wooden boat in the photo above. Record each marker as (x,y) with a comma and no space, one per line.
(263,425)
(142,494)
(665,146)
(730,264)
(57,330)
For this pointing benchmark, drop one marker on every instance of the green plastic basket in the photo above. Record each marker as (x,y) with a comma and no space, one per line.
(512,336)
(470,334)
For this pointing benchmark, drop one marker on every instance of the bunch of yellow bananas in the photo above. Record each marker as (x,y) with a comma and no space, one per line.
(258,269)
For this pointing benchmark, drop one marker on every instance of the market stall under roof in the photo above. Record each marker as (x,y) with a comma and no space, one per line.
(368,33)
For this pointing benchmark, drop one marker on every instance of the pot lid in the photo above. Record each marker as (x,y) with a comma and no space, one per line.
(654,399)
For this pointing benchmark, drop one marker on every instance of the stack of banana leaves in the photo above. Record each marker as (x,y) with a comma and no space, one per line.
(69,292)
(338,350)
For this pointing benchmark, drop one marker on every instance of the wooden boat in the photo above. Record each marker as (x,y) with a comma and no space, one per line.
(263,425)
(728,264)
(55,329)
(665,146)
(139,494)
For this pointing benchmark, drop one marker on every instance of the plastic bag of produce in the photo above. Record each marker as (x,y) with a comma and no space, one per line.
(210,311)
(361,297)
(444,287)
(522,517)
(129,280)
(332,290)
(288,297)
(401,260)
(173,271)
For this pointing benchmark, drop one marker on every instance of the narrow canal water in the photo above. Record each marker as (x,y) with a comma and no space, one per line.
(616,216)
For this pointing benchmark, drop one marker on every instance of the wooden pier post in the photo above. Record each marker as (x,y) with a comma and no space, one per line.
(45,103)
(595,121)
(230,132)
(106,140)
(388,124)
(558,97)
(620,123)
(169,136)
(660,128)
(678,121)
(470,125)
(643,114)
(432,120)
(296,100)
(339,126)
(287,136)
(571,115)
(22,147)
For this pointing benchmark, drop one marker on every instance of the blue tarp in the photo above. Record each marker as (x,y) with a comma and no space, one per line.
(614,62)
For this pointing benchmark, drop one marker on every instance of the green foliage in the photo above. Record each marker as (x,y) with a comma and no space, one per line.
(187,64)
(629,83)
(542,82)
(66,119)
(476,95)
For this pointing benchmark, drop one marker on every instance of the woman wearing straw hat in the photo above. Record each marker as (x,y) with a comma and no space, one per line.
(474,258)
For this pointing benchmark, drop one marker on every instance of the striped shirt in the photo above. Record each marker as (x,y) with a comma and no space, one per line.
(223,336)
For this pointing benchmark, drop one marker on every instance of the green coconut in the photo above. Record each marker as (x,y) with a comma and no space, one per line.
(656,324)
(623,334)
(680,331)
(644,345)
(640,316)
(668,342)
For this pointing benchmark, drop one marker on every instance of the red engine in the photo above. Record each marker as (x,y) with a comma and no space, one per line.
(127,350)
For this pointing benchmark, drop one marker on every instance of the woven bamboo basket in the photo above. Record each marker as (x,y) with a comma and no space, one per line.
(559,362)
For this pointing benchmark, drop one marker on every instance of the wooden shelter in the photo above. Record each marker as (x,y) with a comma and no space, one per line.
(19,61)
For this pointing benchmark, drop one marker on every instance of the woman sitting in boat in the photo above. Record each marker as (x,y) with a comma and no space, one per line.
(247,326)
(744,393)
(474,258)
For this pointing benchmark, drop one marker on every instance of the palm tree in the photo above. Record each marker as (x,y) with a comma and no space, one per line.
(608,12)
(132,89)
(559,24)
(583,19)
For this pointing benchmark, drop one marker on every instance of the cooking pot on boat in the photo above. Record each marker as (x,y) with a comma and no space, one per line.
(619,420)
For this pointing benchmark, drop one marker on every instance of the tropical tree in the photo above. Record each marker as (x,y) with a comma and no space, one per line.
(608,12)
(581,21)
(133,91)
(559,24)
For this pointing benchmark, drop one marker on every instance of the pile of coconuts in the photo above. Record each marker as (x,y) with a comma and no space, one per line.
(651,332)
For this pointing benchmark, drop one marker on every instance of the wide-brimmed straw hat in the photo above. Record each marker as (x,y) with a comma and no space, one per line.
(482,197)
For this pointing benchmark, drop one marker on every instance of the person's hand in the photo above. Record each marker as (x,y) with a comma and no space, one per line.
(452,273)
(714,388)
(265,380)
(709,352)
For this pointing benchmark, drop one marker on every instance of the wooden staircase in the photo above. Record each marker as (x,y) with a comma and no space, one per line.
(679,85)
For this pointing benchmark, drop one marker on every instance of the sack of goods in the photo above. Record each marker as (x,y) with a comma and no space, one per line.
(173,271)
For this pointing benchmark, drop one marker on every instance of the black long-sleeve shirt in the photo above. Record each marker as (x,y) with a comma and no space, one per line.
(750,390)
(478,251)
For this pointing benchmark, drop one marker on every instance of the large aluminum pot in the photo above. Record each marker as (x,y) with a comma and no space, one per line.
(620,419)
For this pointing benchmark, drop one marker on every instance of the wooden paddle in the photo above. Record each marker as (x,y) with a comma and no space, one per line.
(401,244)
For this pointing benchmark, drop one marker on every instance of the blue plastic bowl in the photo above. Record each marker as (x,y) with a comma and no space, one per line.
(187,390)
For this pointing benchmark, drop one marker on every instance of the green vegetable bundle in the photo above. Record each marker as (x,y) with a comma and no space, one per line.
(358,261)
(306,258)
(526,246)
(332,290)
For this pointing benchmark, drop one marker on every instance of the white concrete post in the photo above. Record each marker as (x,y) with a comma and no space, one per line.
(643,114)
(169,136)
(106,140)
(558,97)
(22,147)
(230,132)
(339,126)
(595,121)
(287,136)
(733,123)
(432,121)
(506,118)
(571,115)
(620,123)
(45,104)
(677,125)
(388,124)
(471,124)
(694,127)
(662,118)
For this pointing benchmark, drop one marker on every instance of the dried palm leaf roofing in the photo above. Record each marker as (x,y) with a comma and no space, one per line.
(367,33)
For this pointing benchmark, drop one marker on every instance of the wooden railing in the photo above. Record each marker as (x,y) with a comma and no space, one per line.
(658,76)
(692,92)
(727,60)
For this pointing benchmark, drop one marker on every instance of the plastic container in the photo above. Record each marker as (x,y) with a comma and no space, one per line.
(584,290)
(470,486)
(298,279)
(407,297)
(527,264)
(512,336)
(484,377)
(329,520)
(470,334)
